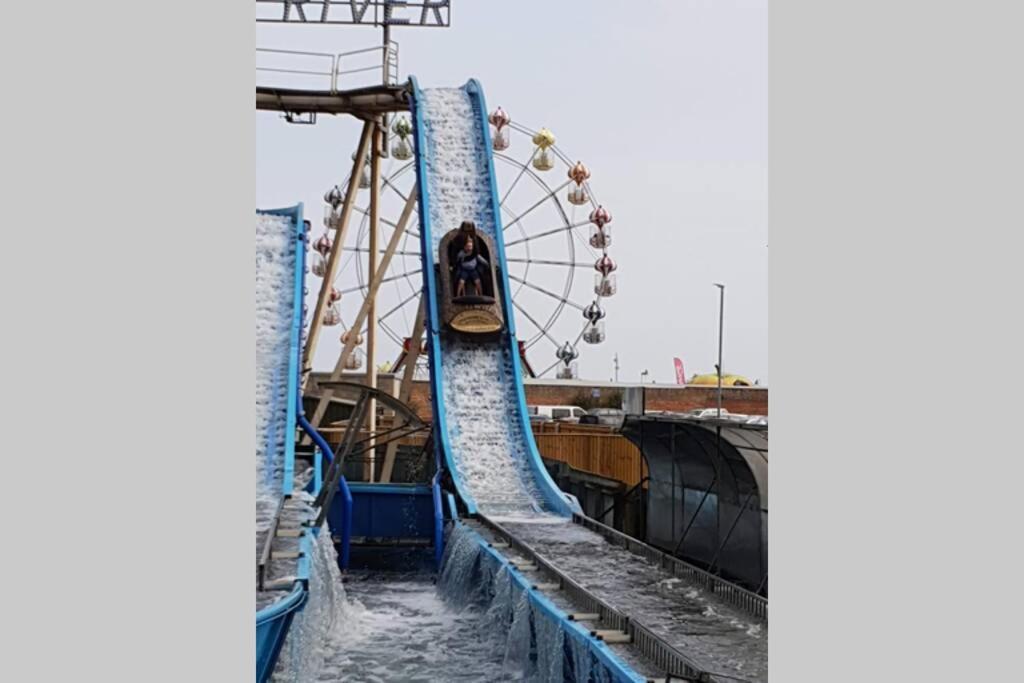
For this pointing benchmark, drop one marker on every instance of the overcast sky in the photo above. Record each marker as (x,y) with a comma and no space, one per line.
(668,108)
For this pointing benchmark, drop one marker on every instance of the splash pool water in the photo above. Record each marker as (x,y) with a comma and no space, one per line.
(399,628)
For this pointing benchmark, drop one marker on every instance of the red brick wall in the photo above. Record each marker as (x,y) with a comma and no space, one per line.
(745,400)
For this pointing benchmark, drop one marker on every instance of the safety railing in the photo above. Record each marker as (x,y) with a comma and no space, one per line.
(664,656)
(268,543)
(328,71)
(645,641)
(336,482)
(729,592)
(350,63)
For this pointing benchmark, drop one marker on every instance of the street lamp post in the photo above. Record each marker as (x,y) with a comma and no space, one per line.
(642,375)
(721,318)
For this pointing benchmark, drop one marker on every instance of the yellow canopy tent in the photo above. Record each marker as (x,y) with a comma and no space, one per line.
(727,380)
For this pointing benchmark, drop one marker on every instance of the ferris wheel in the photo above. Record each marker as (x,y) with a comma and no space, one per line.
(556,234)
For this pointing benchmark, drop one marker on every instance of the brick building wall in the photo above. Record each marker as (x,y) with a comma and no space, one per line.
(745,400)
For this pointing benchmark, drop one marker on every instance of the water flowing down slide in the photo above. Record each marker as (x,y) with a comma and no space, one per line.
(481,425)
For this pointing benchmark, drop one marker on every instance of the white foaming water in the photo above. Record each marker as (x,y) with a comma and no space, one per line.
(485,433)
(456,163)
(313,633)
(400,629)
(535,647)
(275,270)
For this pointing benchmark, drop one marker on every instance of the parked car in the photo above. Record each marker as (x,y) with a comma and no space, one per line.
(560,413)
(712,414)
(703,413)
(608,416)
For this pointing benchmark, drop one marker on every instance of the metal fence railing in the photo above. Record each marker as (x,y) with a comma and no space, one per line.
(730,593)
(328,71)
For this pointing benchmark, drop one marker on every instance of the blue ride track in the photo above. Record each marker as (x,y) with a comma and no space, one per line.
(554,501)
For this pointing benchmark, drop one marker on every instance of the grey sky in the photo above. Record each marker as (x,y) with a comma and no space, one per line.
(668,108)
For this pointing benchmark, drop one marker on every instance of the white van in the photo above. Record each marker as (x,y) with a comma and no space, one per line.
(559,413)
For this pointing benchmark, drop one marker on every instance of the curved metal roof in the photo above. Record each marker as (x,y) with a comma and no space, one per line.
(749,444)
(752,444)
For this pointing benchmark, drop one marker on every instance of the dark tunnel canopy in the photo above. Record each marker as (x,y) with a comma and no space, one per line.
(707,492)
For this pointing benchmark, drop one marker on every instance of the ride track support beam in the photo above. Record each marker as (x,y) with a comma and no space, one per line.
(334,258)
(371,334)
(405,390)
(364,103)
(364,310)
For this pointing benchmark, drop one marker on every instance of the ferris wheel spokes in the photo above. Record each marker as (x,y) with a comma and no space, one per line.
(554,231)
(549,368)
(397,252)
(540,328)
(585,244)
(547,262)
(382,320)
(399,306)
(552,194)
(384,221)
(388,183)
(566,357)
(365,288)
(551,294)
(522,172)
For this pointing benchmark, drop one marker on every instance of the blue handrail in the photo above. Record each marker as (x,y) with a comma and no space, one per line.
(318,467)
(346,492)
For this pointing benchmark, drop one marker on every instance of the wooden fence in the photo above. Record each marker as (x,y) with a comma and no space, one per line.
(594,449)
